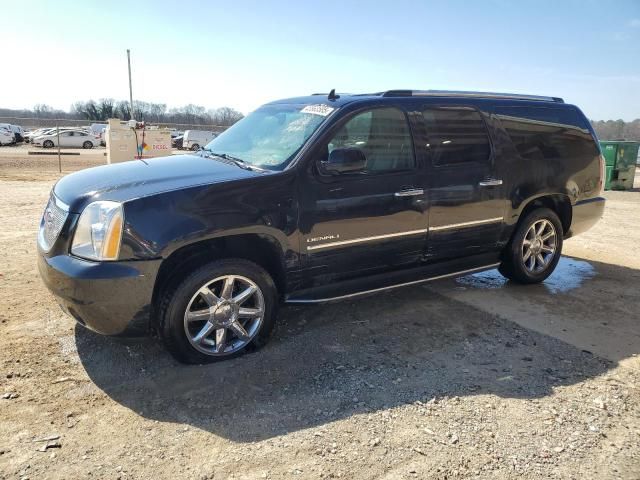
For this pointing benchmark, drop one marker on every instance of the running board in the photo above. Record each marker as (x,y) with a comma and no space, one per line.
(347,289)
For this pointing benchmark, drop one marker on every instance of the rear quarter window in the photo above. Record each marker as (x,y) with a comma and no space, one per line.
(540,133)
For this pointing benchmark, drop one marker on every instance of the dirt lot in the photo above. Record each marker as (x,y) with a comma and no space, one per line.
(28,162)
(466,378)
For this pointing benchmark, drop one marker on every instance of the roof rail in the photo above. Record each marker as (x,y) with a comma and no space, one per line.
(456,93)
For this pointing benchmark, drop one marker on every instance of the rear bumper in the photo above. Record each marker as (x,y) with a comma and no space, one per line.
(111,298)
(586,214)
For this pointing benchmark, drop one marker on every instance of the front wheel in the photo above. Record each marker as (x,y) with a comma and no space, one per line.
(535,249)
(87,145)
(219,311)
(47,144)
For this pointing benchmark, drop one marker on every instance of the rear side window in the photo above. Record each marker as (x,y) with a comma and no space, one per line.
(540,133)
(456,135)
(384,137)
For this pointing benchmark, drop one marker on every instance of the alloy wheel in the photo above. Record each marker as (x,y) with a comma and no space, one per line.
(224,315)
(539,246)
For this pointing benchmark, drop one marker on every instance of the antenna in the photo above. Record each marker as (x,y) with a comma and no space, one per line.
(332,95)
(130,90)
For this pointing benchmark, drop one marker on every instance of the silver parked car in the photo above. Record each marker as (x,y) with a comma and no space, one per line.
(68,139)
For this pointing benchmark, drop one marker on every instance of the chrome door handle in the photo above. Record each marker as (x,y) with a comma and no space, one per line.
(490,182)
(409,193)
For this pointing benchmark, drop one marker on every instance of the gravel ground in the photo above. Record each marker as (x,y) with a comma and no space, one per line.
(465,378)
(28,162)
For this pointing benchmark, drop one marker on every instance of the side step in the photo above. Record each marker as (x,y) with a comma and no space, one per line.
(389,280)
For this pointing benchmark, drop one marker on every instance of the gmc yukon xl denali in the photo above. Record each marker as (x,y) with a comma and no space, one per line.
(315,199)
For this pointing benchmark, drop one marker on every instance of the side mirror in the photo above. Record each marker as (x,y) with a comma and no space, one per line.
(344,160)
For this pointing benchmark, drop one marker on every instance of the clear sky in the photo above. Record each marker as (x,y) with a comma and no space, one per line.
(242,54)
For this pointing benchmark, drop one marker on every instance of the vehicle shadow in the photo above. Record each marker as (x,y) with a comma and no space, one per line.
(331,362)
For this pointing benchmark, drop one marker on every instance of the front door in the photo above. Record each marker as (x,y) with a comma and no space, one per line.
(368,221)
(465,188)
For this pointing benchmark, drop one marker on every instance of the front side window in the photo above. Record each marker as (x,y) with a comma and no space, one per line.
(272,135)
(456,135)
(383,135)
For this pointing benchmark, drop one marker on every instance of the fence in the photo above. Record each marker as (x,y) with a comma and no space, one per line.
(31,123)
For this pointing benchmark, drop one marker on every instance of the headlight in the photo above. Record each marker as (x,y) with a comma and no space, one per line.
(99,231)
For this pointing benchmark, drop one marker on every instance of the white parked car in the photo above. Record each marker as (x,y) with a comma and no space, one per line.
(194,139)
(37,133)
(7,137)
(68,139)
(17,130)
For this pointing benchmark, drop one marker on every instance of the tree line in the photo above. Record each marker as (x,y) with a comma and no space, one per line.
(106,108)
(617,129)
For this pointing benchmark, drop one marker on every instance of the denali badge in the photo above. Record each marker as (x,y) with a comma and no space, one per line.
(324,237)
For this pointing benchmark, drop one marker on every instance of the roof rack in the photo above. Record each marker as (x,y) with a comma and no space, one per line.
(456,93)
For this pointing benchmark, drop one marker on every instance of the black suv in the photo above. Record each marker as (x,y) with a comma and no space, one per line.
(315,199)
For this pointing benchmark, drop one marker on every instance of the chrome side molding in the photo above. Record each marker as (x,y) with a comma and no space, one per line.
(366,239)
(466,224)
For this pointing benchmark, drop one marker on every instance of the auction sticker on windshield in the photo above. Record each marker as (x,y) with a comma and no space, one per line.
(322,110)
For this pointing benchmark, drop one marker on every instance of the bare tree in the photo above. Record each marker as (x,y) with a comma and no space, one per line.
(106,108)
(617,129)
(43,111)
(226,116)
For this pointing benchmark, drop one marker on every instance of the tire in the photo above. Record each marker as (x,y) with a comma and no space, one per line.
(195,147)
(48,144)
(87,145)
(526,258)
(184,312)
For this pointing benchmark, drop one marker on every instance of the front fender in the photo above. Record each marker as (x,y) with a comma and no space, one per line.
(158,225)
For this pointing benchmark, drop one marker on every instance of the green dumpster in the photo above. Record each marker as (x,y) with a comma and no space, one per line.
(607,178)
(620,158)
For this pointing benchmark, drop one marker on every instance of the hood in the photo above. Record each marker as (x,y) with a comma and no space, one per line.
(134,179)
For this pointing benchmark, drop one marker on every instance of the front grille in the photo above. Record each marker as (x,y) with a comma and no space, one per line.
(52,221)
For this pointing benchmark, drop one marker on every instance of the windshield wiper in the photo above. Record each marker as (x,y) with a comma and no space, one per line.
(236,161)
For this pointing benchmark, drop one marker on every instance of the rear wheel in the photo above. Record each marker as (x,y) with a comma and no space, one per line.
(47,144)
(219,311)
(87,144)
(195,147)
(535,249)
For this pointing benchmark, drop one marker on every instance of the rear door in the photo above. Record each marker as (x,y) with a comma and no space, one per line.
(466,192)
(80,138)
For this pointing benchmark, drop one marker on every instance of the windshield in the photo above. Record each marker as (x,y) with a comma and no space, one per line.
(270,136)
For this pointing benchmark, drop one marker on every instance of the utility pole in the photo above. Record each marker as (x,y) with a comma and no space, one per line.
(130,90)
(58,135)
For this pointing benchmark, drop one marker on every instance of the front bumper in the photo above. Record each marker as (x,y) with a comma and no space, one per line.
(111,298)
(586,214)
